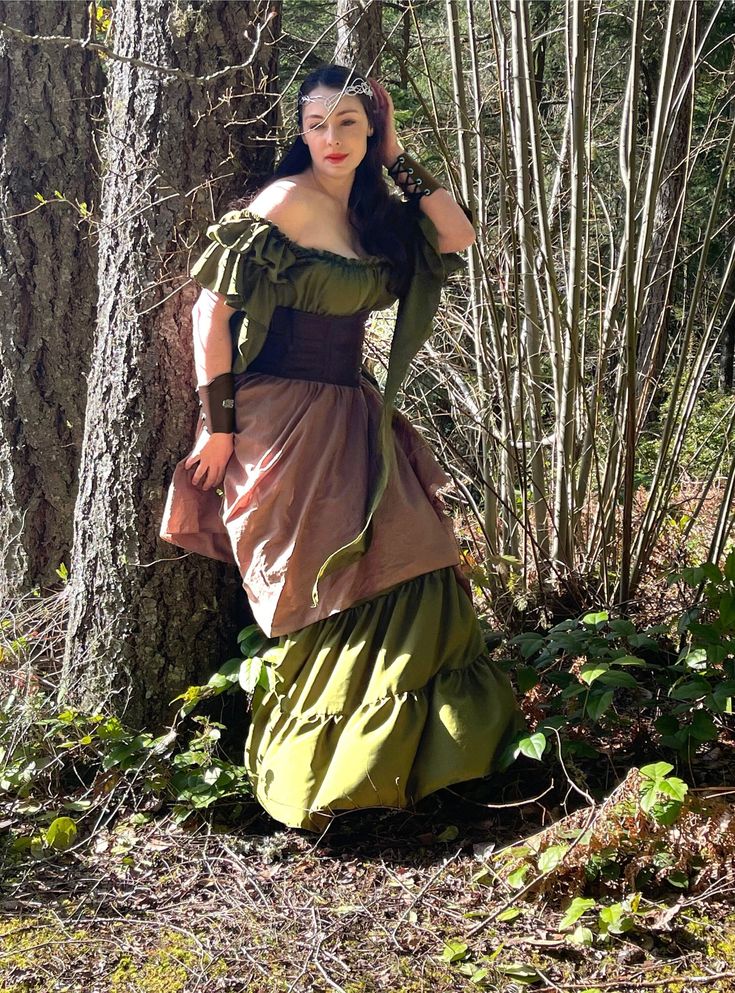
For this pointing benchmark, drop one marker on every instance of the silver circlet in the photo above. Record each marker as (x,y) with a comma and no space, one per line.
(360,86)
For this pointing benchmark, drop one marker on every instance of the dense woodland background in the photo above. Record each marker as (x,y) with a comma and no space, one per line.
(578,387)
(579,384)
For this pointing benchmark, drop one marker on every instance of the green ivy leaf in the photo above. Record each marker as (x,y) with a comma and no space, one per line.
(579,906)
(510,914)
(656,770)
(596,618)
(631,659)
(455,951)
(695,659)
(61,833)
(515,878)
(727,610)
(581,936)
(527,678)
(522,973)
(529,643)
(251,640)
(534,746)
(666,724)
(622,680)
(692,576)
(231,669)
(592,671)
(218,683)
(692,689)
(703,727)
(599,704)
(551,857)
(622,627)
(615,919)
(250,673)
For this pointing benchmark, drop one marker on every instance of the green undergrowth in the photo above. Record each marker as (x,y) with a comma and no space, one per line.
(587,686)
(592,681)
(625,872)
(62,770)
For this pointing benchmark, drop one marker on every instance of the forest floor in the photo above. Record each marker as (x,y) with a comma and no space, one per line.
(552,876)
(383,901)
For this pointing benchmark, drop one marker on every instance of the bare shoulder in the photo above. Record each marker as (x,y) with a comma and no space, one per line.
(286,203)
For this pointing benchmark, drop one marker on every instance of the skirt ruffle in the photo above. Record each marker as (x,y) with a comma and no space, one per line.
(379,706)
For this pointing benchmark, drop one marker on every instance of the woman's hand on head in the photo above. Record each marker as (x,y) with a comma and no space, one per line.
(390,147)
(209,459)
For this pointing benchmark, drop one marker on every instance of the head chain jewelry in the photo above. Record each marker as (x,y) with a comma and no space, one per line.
(360,86)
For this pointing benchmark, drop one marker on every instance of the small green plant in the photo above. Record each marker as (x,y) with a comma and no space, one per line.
(704,683)
(247,672)
(586,676)
(604,919)
(87,757)
(661,795)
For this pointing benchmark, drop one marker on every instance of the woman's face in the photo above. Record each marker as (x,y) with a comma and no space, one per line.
(335,130)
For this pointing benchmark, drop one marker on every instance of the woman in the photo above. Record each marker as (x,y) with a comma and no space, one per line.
(383,689)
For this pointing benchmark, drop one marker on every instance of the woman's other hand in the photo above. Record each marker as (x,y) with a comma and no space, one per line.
(210,455)
(390,147)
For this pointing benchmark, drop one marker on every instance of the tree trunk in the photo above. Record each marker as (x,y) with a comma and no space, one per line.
(727,362)
(49,96)
(727,354)
(359,34)
(655,323)
(145,621)
(405,10)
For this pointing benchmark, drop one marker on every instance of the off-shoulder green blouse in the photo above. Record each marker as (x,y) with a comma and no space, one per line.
(252,263)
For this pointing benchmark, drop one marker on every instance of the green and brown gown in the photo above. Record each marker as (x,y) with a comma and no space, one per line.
(383,690)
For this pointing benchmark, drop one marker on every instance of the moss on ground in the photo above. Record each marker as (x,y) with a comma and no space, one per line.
(35,954)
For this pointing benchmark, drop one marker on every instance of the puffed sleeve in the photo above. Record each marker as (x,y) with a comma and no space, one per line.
(250,262)
(417,307)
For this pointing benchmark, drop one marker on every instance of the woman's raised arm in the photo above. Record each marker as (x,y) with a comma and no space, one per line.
(455,231)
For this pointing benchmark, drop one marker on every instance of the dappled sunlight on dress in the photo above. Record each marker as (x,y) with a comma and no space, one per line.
(383,689)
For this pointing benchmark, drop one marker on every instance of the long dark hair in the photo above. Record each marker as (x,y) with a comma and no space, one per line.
(373,212)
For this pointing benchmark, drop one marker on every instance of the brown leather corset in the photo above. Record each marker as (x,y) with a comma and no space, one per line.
(316,347)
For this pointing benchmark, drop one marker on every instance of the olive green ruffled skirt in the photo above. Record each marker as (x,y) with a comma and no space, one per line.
(378,706)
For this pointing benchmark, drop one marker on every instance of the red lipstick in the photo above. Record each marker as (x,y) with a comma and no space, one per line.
(335,158)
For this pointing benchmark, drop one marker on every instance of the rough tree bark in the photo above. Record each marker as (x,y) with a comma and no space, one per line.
(145,621)
(49,96)
(359,34)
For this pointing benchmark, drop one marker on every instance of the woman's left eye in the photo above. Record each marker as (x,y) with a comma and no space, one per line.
(347,123)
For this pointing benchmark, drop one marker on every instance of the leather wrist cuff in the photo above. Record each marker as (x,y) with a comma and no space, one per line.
(413,179)
(217,400)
